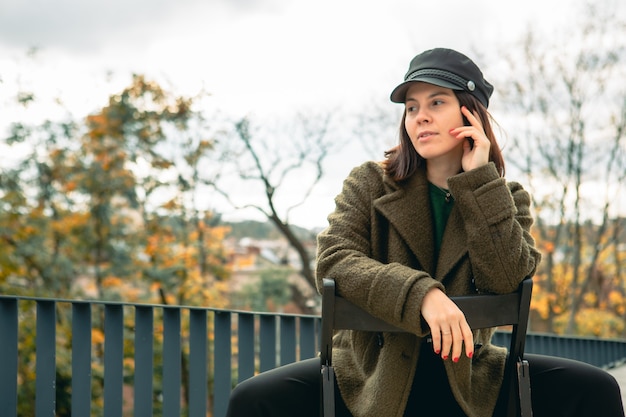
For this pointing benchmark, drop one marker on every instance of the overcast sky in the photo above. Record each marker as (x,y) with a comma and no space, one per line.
(253,56)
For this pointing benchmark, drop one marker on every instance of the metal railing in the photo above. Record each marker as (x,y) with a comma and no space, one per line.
(603,353)
(96,358)
(175,360)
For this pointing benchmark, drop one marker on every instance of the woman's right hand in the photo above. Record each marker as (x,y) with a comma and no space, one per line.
(448,327)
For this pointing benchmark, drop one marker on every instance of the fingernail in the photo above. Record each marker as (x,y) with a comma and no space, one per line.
(445,357)
(455,360)
(437,352)
(469,355)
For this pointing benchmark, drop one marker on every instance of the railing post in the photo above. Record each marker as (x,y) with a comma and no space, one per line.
(81,359)
(113,359)
(198,363)
(222,380)
(45,368)
(8,356)
(308,342)
(268,342)
(144,361)
(287,340)
(171,362)
(245,343)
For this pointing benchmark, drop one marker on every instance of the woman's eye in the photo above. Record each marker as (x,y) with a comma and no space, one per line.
(410,109)
(437,102)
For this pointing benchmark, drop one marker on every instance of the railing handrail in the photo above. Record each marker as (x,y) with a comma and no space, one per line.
(154,305)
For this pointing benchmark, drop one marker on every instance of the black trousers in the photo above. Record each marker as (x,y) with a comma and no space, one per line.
(560,387)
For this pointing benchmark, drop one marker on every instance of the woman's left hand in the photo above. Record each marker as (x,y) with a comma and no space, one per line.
(477,145)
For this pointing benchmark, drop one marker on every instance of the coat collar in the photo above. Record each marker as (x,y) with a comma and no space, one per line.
(406,206)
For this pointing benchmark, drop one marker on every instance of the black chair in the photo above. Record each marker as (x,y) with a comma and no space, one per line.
(481,311)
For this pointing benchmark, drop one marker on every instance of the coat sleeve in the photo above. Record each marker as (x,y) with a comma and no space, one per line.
(391,291)
(497,220)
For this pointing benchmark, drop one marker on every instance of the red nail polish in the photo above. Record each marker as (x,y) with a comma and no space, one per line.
(455,360)
(469,355)
(445,357)
(437,352)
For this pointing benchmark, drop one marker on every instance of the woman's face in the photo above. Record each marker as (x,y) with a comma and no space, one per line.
(431,112)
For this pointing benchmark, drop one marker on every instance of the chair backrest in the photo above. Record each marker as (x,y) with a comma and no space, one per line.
(481,311)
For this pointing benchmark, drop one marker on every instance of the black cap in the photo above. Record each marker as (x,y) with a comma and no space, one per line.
(445,68)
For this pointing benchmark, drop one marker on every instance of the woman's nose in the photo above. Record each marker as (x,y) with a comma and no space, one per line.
(422,116)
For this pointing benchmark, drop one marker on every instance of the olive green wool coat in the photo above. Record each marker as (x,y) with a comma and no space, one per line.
(378,247)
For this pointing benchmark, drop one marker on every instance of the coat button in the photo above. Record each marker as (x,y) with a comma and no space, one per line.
(471,86)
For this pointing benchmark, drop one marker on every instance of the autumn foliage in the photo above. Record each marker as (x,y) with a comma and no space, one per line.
(96,210)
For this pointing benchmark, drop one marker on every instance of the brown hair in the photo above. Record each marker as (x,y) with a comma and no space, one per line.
(403,160)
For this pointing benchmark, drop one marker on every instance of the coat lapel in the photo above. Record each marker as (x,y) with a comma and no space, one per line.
(453,245)
(407,208)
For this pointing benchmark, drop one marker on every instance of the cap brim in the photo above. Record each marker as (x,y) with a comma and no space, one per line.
(398,94)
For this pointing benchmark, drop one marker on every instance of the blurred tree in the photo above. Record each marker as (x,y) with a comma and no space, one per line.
(120,154)
(39,220)
(137,149)
(270,293)
(279,168)
(86,202)
(566,110)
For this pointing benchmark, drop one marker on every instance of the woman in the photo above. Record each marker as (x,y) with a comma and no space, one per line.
(436,219)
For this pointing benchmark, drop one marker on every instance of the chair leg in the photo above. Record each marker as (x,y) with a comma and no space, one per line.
(523,378)
(328,390)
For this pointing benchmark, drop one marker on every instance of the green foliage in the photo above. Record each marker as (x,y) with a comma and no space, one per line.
(270,292)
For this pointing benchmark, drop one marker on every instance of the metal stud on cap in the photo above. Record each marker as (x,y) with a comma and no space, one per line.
(471,86)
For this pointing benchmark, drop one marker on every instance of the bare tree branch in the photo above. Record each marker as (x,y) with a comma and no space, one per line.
(268,162)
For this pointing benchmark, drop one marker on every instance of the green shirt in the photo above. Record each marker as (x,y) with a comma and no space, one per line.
(441,202)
